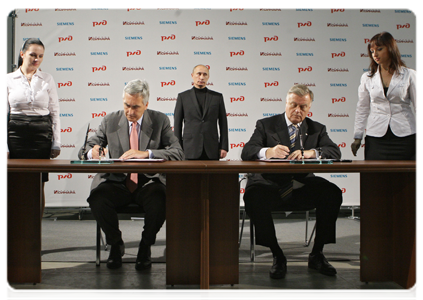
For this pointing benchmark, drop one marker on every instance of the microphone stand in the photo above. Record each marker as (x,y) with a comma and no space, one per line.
(82,157)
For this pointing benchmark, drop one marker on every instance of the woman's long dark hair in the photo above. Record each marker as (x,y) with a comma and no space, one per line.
(387,40)
(25,46)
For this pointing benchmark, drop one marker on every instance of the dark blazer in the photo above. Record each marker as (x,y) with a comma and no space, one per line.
(200,130)
(270,130)
(156,135)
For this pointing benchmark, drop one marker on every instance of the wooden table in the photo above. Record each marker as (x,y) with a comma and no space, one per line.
(203,216)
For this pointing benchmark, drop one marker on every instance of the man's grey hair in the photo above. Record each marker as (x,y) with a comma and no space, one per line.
(137,87)
(300,90)
(208,70)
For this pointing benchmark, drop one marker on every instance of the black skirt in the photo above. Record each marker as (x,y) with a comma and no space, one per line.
(390,147)
(30,137)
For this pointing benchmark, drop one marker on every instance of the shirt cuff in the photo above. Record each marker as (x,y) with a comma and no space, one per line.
(262,153)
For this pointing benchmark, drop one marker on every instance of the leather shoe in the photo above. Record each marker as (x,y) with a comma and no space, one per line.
(143,257)
(278,270)
(115,257)
(320,263)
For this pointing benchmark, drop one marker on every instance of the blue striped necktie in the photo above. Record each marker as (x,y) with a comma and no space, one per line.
(292,134)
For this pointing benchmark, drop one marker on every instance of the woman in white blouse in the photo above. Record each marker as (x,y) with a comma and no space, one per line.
(33,129)
(386,104)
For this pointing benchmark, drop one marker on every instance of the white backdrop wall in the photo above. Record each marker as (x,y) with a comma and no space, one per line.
(254,57)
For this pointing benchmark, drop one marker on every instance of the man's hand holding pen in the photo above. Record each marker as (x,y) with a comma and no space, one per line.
(98,151)
(281,151)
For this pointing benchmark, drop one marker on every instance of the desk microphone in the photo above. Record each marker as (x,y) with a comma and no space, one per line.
(82,157)
(301,142)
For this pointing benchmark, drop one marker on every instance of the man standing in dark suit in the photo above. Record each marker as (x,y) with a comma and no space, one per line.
(133,132)
(274,138)
(198,113)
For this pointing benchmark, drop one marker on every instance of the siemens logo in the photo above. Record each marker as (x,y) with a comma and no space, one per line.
(99,53)
(270,114)
(270,23)
(339,176)
(167,68)
(65,23)
(237,38)
(406,55)
(305,54)
(168,22)
(66,115)
(271,69)
(133,38)
(169,114)
(338,130)
(237,130)
(237,83)
(64,69)
(337,40)
(202,53)
(98,99)
(338,84)
(370,25)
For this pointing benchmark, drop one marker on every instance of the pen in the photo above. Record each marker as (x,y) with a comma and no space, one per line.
(100,151)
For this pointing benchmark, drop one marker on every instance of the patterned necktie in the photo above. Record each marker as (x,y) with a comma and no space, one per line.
(132,180)
(292,135)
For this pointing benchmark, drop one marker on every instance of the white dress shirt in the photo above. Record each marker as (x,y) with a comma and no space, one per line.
(375,111)
(38,98)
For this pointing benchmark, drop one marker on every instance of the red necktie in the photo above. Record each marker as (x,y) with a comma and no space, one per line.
(132,180)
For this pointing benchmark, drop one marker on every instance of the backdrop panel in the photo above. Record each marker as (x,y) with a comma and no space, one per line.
(254,56)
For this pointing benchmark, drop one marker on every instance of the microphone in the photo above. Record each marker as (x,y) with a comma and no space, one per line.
(82,157)
(301,142)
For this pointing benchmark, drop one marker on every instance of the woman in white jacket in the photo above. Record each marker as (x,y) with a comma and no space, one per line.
(386,104)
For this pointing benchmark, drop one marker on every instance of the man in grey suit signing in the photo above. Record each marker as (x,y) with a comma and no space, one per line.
(198,114)
(134,132)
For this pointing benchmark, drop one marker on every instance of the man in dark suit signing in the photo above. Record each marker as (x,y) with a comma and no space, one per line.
(198,113)
(134,132)
(292,136)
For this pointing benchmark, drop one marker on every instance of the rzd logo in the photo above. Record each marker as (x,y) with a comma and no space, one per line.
(240,145)
(98,115)
(68,176)
(233,99)
(343,99)
(168,83)
(171,37)
(104,22)
(103,68)
(304,24)
(269,39)
(342,54)
(206,22)
(129,53)
(59,85)
(233,53)
(267,84)
(309,69)
(343,145)
(69,129)
(64,39)
(403,26)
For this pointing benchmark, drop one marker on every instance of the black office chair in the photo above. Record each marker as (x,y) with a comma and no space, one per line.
(131,209)
(288,209)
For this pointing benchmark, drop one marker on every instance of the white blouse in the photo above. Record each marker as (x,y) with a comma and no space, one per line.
(375,111)
(36,99)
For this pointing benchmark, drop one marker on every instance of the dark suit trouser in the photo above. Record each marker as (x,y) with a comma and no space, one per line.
(326,197)
(108,196)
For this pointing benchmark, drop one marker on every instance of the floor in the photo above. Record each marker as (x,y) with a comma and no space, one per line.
(68,255)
